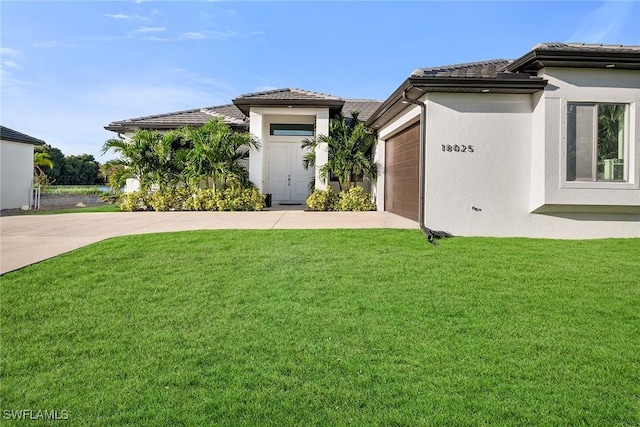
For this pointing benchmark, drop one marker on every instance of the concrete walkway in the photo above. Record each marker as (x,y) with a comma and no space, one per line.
(27,239)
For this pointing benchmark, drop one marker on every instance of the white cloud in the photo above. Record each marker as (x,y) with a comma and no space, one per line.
(49,44)
(193,36)
(11,64)
(118,16)
(10,84)
(150,30)
(5,51)
(157,39)
(605,24)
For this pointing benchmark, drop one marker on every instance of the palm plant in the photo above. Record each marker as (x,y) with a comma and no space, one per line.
(148,157)
(610,123)
(41,160)
(134,155)
(217,155)
(350,145)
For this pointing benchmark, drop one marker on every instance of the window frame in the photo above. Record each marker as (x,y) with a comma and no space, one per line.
(631,165)
(295,129)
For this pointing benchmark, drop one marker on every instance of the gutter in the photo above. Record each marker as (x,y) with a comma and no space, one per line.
(429,233)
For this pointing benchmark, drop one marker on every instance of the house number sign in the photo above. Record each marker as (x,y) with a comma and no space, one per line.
(455,148)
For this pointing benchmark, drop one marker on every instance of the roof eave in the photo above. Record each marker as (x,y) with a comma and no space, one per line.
(245,104)
(538,59)
(454,85)
(35,141)
(132,127)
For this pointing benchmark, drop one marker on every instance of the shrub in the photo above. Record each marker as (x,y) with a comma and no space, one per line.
(323,200)
(111,197)
(169,200)
(135,201)
(355,199)
(232,199)
(199,199)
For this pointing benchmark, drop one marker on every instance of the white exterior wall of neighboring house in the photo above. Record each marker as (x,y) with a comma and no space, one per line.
(276,167)
(501,188)
(16,174)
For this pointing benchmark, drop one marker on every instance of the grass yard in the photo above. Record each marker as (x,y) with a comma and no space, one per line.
(317,327)
(86,209)
(75,189)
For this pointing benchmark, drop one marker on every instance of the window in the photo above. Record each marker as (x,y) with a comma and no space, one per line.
(291,129)
(596,142)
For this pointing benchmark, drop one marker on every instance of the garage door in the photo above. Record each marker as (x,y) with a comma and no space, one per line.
(401,173)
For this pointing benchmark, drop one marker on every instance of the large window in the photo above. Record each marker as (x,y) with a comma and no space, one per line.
(596,142)
(291,129)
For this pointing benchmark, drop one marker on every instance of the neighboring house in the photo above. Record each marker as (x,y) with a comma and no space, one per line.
(547,145)
(280,119)
(16,168)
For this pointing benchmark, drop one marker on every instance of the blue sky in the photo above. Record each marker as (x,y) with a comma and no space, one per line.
(70,68)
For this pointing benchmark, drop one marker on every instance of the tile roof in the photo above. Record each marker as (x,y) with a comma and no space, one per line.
(199,116)
(483,69)
(491,68)
(586,47)
(7,134)
(366,107)
(287,94)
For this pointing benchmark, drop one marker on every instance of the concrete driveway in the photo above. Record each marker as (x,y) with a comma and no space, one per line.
(28,239)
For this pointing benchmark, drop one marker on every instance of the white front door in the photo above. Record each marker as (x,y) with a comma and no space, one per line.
(288,180)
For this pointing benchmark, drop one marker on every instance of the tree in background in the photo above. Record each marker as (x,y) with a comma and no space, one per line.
(82,169)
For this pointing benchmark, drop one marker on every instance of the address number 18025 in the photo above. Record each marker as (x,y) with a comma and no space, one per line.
(455,148)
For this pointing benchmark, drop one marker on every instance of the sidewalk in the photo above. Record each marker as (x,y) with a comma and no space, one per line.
(28,239)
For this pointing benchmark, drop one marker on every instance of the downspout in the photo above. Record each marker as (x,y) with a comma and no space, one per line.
(429,233)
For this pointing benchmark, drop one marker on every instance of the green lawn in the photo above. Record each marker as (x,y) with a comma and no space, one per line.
(317,327)
(74,189)
(86,209)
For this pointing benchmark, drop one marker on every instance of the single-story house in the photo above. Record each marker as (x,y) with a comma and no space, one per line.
(16,168)
(546,145)
(280,119)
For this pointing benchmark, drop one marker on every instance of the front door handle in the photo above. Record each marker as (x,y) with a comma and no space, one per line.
(289,180)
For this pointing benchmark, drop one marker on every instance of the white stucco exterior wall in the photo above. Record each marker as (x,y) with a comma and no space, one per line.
(255,156)
(482,189)
(16,174)
(583,85)
(515,166)
(322,151)
(260,120)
